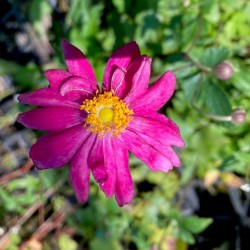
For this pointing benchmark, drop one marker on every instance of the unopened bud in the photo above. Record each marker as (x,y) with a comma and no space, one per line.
(224,70)
(238,116)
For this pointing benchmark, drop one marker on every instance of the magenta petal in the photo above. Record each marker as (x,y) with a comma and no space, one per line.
(51,118)
(148,154)
(108,186)
(164,149)
(121,58)
(162,119)
(46,97)
(77,89)
(96,161)
(56,77)
(77,63)
(156,129)
(137,77)
(124,188)
(117,81)
(79,171)
(55,149)
(157,95)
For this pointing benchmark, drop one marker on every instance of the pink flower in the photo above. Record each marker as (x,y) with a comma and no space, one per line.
(94,129)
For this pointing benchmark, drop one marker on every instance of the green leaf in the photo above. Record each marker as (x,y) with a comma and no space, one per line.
(66,243)
(169,45)
(213,13)
(147,27)
(189,86)
(241,81)
(15,240)
(186,236)
(174,214)
(47,178)
(120,5)
(27,76)
(28,183)
(107,244)
(216,99)
(38,9)
(91,20)
(9,201)
(212,56)
(196,224)
(77,9)
(188,34)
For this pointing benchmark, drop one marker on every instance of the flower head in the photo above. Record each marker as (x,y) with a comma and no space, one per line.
(93,130)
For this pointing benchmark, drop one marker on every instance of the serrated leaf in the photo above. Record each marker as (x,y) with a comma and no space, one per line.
(196,224)
(212,56)
(216,100)
(189,86)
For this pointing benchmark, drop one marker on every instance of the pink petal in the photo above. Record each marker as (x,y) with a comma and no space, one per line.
(134,80)
(137,77)
(51,118)
(96,161)
(77,63)
(79,171)
(121,58)
(55,149)
(124,188)
(108,186)
(147,153)
(76,83)
(56,77)
(46,97)
(118,80)
(164,149)
(156,129)
(157,95)
(77,89)
(161,118)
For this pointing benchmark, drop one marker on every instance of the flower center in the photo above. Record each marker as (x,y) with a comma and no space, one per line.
(106,113)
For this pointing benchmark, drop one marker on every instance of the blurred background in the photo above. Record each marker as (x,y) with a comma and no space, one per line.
(203,205)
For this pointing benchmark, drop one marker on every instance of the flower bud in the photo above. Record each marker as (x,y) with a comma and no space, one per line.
(238,116)
(224,70)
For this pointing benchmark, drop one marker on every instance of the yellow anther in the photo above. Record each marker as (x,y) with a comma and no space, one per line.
(106,113)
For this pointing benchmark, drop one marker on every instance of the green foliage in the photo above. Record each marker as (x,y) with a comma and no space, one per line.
(105,244)
(196,224)
(216,100)
(188,37)
(213,56)
(66,243)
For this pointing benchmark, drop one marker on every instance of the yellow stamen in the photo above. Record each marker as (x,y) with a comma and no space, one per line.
(106,113)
